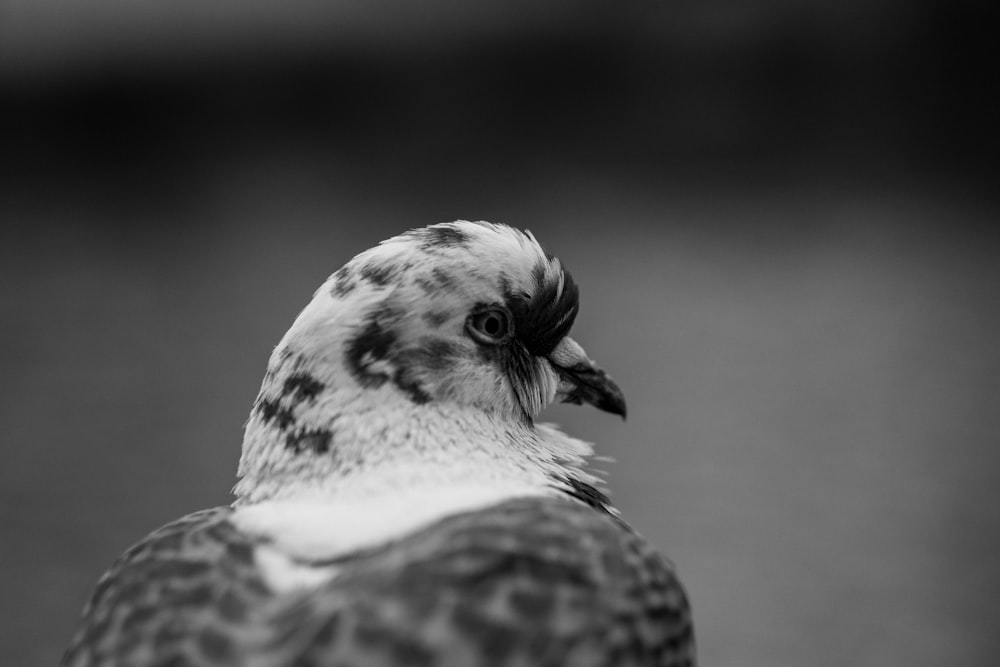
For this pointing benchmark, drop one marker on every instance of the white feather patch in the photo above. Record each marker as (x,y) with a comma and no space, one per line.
(313,529)
(284,574)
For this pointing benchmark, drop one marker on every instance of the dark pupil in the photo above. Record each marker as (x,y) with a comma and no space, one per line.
(491,325)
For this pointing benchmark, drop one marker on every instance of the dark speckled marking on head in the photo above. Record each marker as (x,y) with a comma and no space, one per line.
(271,410)
(378,275)
(439,354)
(316,441)
(302,386)
(444,279)
(439,280)
(435,318)
(373,343)
(378,342)
(409,385)
(343,283)
(442,236)
(434,354)
(426,284)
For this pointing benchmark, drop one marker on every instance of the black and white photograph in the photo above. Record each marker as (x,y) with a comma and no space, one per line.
(439,334)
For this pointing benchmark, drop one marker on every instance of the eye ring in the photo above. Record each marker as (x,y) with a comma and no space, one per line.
(490,325)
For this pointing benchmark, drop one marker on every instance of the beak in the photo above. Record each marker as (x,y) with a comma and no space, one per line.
(582,381)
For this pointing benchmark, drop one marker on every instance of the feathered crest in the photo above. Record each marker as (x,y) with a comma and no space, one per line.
(543,318)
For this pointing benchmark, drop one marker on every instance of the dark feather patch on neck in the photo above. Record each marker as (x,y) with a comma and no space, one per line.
(585,493)
(544,318)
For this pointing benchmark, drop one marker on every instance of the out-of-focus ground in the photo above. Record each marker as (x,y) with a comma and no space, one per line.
(781,219)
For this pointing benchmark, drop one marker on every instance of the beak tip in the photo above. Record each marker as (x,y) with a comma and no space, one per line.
(585,382)
(604,394)
(615,404)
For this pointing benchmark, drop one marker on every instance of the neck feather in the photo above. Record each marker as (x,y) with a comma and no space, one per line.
(311,437)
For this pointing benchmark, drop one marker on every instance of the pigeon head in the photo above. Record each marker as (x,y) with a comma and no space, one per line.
(462,322)
(465,313)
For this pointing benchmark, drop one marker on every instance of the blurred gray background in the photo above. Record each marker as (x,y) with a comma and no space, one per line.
(781,216)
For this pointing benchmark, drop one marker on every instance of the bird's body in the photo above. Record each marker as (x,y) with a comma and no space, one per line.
(397,504)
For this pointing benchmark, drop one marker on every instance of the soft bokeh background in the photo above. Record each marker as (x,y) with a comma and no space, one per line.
(781,216)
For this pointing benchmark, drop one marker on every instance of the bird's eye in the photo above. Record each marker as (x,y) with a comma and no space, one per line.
(489,326)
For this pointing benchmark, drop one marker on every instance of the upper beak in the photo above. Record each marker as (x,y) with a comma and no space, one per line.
(582,381)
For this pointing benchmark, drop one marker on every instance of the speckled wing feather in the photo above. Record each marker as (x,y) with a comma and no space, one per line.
(188,594)
(528,582)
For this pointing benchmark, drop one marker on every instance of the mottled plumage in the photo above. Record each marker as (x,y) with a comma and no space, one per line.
(397,502)
(532,582)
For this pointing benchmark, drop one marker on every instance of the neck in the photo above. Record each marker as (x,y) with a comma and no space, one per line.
(329,468)
(310,438)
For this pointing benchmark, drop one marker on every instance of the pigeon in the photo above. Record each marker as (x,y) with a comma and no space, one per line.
(396,501)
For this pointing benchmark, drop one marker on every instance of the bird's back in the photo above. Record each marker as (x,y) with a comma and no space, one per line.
(532,581)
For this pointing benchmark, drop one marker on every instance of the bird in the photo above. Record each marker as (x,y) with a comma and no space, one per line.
(397,502)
